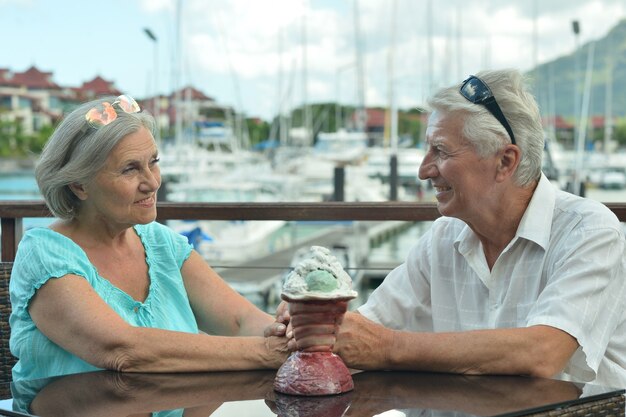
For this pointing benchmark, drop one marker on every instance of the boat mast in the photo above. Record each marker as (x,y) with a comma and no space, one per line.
(178,132)
(360,119)
(308,134)
(608,107)
(582,129)
(393,111)
(431,54)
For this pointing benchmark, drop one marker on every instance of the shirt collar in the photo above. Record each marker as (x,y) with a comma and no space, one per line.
(536,223)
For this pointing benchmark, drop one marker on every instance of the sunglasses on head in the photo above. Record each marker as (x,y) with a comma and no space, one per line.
(475,90)
(106,112)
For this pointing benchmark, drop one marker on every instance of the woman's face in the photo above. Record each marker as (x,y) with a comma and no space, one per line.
(124,191)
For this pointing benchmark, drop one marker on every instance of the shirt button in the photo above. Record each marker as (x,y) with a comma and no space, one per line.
(136,309)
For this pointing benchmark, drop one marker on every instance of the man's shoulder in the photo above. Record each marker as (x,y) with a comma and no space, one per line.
(583,210)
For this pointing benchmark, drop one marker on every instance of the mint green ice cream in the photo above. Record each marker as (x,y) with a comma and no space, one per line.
(322,281)
(319,276)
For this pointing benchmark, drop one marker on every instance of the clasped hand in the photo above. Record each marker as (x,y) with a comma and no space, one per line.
(310,326)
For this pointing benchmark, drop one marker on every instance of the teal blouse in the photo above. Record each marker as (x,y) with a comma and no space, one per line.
(44,254)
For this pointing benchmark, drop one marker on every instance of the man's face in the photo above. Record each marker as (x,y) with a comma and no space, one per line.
(463,181)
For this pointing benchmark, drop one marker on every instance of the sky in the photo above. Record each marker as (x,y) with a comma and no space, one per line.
(268,56)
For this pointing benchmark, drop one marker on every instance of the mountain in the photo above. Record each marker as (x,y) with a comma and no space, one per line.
(561,74)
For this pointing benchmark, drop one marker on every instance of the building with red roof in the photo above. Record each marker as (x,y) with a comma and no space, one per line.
(31,98)
(98,87)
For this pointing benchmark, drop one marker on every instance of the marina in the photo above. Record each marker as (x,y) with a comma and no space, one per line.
(254,256)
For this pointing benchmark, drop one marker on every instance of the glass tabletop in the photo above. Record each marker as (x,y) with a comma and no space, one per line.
(240,394)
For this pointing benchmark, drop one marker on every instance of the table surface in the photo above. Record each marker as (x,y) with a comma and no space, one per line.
(241,394)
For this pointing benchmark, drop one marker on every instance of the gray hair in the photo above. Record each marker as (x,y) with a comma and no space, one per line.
(76,152)
(486,133)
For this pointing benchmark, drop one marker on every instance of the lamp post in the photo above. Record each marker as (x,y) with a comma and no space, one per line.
(156,100)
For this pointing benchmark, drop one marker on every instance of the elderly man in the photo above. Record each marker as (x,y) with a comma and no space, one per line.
(517,277)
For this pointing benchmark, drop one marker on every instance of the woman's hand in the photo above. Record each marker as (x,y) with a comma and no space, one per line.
(276,350)
(280,326)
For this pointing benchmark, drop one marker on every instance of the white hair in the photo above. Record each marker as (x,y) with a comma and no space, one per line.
(76,152)
(487,134)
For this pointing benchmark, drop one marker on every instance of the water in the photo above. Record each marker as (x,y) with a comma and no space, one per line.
(21,185)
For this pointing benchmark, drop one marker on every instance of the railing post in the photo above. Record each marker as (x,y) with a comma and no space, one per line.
(11,230)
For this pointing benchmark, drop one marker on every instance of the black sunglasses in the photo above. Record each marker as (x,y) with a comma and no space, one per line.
(475,90)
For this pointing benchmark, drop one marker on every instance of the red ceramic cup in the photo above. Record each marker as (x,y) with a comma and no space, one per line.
(314,370)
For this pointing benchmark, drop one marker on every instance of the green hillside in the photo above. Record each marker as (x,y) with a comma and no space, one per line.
(558,78)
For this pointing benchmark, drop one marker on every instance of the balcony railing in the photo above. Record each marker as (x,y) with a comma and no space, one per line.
(12,214)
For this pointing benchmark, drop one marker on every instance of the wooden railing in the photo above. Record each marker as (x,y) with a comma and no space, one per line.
(12,213)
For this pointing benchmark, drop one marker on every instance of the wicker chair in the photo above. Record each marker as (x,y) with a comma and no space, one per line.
(6,359)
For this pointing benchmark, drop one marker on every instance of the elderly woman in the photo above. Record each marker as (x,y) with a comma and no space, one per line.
(105,286)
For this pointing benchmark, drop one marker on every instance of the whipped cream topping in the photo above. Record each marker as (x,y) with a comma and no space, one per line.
(313,278)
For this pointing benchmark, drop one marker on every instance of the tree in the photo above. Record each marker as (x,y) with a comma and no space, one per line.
(619,133)
(14,143)
(11,138)
(259,130)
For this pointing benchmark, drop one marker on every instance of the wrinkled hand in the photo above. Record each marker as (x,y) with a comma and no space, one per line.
(277,349)
(314,324)
(279,327)
(363,344)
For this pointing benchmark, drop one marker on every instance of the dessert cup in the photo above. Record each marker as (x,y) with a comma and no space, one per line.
(315,371)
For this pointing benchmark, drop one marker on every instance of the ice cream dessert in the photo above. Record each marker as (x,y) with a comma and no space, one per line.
(320,276)
(318,290)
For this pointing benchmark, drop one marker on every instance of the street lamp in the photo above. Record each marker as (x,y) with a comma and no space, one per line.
(156,103)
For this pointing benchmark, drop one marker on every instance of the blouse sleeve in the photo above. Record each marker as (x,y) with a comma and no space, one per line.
(43,254)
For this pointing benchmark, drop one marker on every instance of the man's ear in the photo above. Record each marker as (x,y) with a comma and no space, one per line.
(78,190)
(509,160)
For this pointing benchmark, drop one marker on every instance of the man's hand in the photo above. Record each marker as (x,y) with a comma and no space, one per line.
(363,344)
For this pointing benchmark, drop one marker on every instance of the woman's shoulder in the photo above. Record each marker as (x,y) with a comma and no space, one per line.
(43,254)
(43,245)
(46,239)
(162,242)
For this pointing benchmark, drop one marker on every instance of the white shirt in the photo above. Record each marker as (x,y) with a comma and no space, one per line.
(565,268)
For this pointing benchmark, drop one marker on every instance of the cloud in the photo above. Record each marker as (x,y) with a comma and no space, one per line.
(155,6)
(259,45)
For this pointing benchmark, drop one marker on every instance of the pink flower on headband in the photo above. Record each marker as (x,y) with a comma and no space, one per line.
(98,118)
(105,113)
